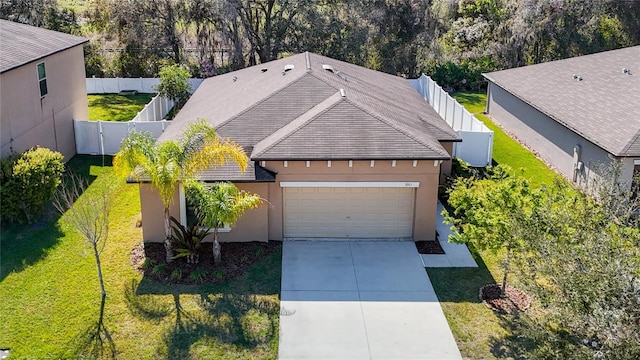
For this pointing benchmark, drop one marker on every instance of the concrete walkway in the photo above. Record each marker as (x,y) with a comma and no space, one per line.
(455,255)
(359,300)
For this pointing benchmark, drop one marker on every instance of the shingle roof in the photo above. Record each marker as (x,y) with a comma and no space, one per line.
(21,44)
(602,107)
(228,172)
(309,112)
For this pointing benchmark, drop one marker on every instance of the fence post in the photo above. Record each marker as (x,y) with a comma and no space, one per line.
(101,137)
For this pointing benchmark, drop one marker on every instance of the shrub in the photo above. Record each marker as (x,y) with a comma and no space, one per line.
(148,263)
(463,75)
(28,182)
(198,274)
(187,241)
(158,269)
(176,274)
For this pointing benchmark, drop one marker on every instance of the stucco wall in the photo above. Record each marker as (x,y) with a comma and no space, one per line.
(153,213)
(28,120)
(266,222)
(553,142)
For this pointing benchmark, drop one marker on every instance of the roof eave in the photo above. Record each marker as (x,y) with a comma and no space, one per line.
(43,56)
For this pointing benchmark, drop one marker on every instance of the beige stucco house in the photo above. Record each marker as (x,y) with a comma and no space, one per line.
(337,150)
(577,114)
(42,88)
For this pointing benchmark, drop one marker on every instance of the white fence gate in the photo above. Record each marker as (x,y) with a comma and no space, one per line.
(476,147)
(105,137)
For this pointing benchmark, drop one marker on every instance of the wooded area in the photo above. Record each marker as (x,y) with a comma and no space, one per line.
(452,40)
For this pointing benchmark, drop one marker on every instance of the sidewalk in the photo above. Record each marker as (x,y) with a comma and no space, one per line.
(455,255)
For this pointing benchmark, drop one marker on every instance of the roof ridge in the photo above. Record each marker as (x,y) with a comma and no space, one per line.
(394,126)
(269,96)
(277,138)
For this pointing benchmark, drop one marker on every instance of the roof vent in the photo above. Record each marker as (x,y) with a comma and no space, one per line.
(235,78)
(327,67)
(342,93)
(626,71)
(288,67)
(577,77)
(264,70)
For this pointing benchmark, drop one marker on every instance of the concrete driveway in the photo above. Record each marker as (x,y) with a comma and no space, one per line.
(359,300)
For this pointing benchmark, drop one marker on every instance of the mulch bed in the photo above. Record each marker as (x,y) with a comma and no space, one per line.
(429,247)
(149,259)
(514,300)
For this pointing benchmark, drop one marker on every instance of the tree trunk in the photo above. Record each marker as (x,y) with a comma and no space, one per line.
(217,254)
(97,256)
(167,234)
(507,260)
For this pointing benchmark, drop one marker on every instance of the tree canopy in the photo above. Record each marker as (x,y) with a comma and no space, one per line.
(403,37)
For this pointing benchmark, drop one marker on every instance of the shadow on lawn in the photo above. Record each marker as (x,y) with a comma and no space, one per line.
(242,313)
(460,285)
(95,341)
(25,245)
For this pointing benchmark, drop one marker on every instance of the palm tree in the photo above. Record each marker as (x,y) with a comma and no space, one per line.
(167,163)
(219,204)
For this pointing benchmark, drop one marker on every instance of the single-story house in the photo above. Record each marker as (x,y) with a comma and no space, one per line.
(337,150)
(42,88)
(577,114)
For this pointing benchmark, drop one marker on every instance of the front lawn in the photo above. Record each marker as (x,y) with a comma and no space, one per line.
(50,298)
(114,107)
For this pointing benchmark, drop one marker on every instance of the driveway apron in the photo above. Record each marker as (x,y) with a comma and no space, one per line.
(359,300)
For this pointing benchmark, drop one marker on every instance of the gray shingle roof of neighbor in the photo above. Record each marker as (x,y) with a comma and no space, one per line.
(319,109)
(21,44)
(601,107)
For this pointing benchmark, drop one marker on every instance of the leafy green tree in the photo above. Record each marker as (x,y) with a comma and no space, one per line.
(166,164)
(584,268)
(493,214)
(218,205)
(174,83)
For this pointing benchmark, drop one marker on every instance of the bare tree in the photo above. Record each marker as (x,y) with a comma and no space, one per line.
(88,212)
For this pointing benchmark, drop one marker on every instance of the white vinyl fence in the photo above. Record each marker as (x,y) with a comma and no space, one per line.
(105,137)
(155,110)
(476,147)
(115,85)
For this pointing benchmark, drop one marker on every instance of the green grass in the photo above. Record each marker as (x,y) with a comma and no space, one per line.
(114,107)
(505,149)
(50,298)
(479,332)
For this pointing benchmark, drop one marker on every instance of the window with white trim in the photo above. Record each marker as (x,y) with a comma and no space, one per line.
(42,79)
(189,217)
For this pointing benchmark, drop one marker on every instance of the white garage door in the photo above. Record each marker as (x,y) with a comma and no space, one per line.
(348,212)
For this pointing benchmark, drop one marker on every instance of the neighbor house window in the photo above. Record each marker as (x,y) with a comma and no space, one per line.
(42,79)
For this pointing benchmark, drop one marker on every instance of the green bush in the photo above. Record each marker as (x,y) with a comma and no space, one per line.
(28,182)
(463,75)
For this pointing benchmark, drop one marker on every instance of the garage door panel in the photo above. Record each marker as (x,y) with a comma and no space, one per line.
(348,212)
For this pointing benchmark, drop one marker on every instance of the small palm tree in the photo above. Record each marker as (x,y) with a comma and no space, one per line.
(167,163)
(219,204)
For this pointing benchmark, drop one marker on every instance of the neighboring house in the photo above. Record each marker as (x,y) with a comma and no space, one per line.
(42,88)
(337,150)
(574,113)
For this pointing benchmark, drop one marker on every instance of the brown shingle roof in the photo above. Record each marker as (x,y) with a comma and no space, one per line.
(311,113)
(602,107)
(21,44)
